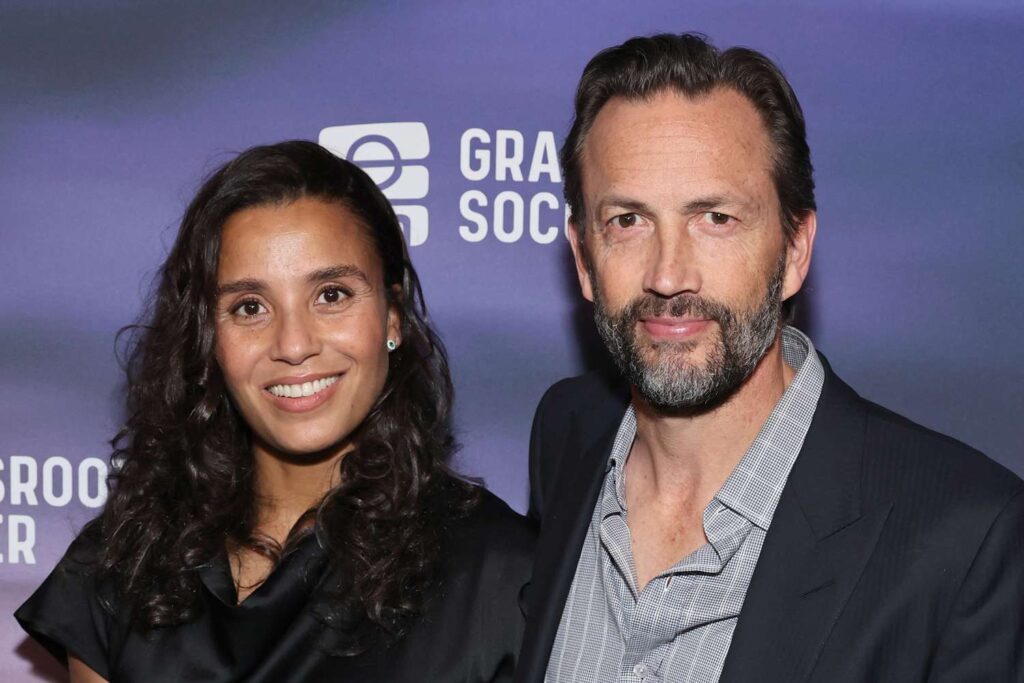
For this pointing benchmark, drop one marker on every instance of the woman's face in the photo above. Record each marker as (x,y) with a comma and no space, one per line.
(302,324)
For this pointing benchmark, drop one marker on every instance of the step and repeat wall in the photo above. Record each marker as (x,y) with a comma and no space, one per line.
(111,112)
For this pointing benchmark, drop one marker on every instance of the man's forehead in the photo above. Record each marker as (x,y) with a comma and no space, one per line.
(710,143)
(720,119)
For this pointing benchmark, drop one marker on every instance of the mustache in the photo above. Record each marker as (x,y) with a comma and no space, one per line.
(690,305)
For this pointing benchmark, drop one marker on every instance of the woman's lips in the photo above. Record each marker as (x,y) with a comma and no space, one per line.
(673,329)
(301,404)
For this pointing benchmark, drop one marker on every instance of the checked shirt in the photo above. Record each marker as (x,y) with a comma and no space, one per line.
(680,626)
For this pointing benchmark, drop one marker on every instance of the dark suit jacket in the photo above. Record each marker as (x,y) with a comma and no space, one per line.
(895,554)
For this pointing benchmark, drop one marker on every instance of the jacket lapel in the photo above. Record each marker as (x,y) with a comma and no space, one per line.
(562,533)
(819,541)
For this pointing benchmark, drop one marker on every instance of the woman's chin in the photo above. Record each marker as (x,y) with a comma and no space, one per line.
(306,450)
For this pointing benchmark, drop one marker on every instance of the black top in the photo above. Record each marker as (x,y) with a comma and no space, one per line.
(470,632)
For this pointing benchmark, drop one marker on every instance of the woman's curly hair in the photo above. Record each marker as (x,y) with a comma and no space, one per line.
(183,485)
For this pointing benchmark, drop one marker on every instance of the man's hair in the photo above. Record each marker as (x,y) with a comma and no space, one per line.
(644,66)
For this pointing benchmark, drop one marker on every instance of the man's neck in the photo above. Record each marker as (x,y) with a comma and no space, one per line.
(685,459)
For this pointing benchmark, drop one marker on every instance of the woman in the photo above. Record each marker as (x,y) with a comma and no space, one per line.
(282,510)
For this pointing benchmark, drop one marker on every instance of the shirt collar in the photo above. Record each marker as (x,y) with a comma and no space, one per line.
(754,486)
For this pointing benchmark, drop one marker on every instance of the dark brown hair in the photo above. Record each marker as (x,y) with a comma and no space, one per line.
(644,66)
(184,482)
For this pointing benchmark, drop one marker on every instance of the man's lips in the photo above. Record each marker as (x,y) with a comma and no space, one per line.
(673,329)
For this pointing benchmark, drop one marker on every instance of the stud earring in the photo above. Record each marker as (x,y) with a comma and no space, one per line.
(392,345)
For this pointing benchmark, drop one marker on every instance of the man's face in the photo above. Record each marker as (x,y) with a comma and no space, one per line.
(683,252)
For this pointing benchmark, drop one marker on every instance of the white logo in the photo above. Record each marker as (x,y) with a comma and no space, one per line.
(383,150)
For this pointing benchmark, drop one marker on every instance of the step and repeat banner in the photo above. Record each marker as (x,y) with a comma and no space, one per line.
(111,112)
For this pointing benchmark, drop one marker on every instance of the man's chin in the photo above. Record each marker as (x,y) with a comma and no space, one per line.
(686,383)
(679,357)
(694,396)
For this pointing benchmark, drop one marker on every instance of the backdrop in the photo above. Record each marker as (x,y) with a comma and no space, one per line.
(111,112)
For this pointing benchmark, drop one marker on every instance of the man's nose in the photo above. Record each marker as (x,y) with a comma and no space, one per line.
(672,264)
(295,338)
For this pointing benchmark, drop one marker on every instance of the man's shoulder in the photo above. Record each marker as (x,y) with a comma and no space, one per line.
(909,458)
(573,415)
(597,395)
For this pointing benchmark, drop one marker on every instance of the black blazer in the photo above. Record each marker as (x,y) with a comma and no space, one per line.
(895,554)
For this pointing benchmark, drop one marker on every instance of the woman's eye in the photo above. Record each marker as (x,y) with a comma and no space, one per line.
(716,218)
(626,220)
(249,309)
(332,295)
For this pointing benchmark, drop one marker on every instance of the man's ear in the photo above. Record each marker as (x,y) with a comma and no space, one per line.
(579,255)
(798,254)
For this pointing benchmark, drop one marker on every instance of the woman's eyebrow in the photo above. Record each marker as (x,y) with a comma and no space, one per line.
(249,284)
(337,272)
(244,285)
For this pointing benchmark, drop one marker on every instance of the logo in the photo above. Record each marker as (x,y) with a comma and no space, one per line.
(384,151)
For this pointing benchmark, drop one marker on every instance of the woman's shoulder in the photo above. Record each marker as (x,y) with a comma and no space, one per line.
(69,611)
(488,539)
(476,616)
(492,526)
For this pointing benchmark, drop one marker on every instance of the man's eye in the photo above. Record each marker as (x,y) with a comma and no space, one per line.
(626,220)
(716,218)
(332,295)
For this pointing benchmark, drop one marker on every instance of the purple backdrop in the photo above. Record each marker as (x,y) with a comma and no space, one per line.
(110,112)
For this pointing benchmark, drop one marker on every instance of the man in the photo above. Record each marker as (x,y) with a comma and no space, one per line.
(739,513)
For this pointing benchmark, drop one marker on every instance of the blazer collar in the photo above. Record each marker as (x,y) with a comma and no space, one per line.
(563,531)
(815,551)
(826,478)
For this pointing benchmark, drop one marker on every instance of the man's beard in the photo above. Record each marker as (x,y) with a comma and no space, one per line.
(672,384)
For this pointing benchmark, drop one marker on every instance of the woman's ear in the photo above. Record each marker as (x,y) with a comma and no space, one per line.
(394,324)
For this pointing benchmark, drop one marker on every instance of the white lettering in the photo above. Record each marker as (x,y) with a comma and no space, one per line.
(100,468)
(506,162)
(67,490)
(24,479)
(21,539)
(466,232)
(481,155)
(545,158)
(512,234)
(549,234)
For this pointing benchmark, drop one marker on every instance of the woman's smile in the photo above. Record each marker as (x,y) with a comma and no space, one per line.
(303,394)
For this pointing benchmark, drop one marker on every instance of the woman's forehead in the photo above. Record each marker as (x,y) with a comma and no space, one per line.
(293,238)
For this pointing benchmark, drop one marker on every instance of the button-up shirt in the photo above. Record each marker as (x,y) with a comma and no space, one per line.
(679,627)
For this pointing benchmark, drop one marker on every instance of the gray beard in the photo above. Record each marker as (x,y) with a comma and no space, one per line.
(670,383)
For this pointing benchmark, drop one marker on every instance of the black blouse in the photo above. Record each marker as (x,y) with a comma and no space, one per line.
(471,631)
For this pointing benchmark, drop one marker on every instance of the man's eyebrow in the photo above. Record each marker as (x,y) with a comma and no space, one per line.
(336,273)
(624,203)
(708,203)
(711,202)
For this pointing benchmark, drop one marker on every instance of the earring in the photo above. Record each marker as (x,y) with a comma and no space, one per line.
(392,345)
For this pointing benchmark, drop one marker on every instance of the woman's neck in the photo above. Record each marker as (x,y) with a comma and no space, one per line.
(286,488)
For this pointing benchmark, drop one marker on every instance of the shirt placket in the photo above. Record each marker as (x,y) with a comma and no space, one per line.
(649,634)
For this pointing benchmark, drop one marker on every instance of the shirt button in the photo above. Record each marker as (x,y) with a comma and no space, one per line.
(640,670)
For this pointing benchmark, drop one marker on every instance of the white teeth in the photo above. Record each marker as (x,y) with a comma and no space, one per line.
(304,389)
